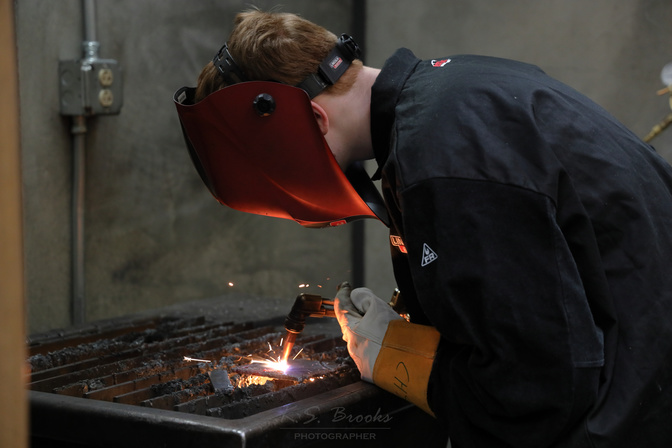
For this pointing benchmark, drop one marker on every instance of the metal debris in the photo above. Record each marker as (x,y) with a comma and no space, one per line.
(219,378)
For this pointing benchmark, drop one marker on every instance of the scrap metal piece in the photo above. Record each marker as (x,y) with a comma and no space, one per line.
(219,378)
(297,370)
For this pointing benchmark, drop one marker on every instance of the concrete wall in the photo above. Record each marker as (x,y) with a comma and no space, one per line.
(155,237)
(612,51)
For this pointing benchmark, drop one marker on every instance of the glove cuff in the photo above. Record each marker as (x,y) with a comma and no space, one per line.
(405,361)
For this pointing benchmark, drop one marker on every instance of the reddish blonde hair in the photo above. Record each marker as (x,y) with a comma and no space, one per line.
(275,46)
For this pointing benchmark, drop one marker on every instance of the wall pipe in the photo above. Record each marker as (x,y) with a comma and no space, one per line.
(90,48)
(78,182)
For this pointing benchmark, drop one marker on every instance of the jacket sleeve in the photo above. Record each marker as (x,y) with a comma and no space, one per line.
(520,355)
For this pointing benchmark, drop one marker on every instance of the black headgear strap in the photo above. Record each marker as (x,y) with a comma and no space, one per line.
(329,71)
(227,66)
(332,67)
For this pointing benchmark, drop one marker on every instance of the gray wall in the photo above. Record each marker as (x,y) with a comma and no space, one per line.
(155,237)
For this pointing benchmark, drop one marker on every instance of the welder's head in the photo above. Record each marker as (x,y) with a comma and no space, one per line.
(250,127)
(279,47)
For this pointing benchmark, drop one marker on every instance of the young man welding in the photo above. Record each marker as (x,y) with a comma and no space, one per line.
(529,229)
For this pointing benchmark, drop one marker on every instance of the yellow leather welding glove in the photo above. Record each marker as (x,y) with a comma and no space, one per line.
(391,353)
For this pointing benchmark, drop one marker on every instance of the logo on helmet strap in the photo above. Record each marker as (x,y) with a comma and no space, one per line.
(336,62)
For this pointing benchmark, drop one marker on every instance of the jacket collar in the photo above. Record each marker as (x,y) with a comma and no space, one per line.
(384,96)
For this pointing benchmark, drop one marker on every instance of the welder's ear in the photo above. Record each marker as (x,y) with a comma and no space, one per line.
(321,117)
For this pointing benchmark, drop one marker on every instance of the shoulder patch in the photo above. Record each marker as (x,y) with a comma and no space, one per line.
(439,62)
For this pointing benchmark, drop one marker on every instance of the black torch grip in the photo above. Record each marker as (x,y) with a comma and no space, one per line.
(307,305)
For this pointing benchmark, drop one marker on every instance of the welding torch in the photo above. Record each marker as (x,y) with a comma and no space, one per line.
(313,305)
(305,305)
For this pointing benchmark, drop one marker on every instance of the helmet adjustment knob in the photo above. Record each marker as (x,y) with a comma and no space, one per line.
(264,104)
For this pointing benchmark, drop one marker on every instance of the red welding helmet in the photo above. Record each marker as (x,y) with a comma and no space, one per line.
(258,148)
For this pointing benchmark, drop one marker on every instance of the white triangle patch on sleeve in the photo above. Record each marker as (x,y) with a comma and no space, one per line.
(428,255)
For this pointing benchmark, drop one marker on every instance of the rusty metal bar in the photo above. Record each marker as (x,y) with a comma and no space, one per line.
(13,406)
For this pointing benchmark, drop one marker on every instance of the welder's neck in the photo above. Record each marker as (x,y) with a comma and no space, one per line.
(349,119)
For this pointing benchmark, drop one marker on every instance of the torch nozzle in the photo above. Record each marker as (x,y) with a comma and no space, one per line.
(288,346)
(305,305)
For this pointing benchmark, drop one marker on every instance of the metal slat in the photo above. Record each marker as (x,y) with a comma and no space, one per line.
(51,379)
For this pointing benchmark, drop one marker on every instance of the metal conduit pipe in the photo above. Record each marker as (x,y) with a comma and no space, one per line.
(89,86)
(90,49)
(77,204)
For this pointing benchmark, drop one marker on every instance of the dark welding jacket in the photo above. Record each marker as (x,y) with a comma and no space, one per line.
(534,232)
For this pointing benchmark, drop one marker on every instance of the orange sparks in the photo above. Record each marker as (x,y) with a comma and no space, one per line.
(187,358)
(268,360)
(282,366)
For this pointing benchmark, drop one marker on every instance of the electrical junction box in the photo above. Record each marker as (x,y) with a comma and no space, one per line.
(90,87)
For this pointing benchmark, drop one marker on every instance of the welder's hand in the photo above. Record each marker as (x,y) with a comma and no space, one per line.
(364,318)
(393,354)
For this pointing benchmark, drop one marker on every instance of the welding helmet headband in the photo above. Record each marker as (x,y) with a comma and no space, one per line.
(258,148)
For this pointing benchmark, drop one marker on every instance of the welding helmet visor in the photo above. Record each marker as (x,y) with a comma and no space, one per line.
(258,148)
